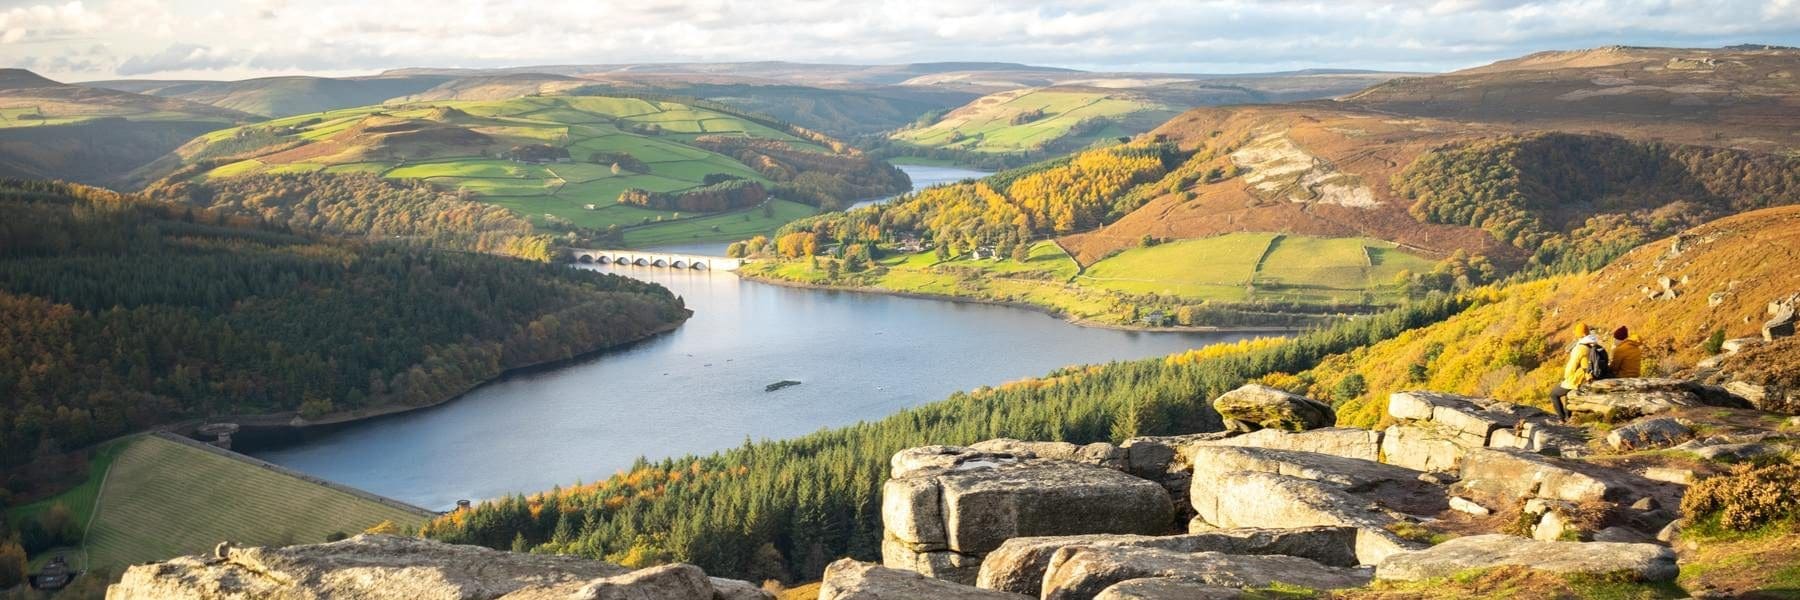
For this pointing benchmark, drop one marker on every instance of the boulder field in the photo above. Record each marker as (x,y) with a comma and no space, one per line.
(1286,501)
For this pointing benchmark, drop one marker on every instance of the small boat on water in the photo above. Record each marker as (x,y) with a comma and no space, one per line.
(780,384)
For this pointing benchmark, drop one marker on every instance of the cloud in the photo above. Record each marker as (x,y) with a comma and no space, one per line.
(151,37)
(177,58)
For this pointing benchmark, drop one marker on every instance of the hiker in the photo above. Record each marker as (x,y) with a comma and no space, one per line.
(1587,362)
(1627,358)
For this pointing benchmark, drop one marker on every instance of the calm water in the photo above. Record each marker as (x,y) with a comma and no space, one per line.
(700,388)
(924,177)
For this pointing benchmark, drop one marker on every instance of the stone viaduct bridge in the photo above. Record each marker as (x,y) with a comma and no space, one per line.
(656,259)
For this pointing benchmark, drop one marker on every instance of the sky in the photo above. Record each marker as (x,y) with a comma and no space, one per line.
(213,39)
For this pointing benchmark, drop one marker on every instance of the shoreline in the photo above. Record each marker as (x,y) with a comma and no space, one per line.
(275,422)
(1051,311)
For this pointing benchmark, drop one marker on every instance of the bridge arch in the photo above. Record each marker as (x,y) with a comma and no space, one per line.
(699,265)
(678,263)
(585,258)
(641,261)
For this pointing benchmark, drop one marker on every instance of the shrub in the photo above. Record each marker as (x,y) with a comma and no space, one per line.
(1749,498)
(1715,342)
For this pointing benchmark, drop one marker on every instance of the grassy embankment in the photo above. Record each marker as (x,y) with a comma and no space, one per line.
(149,498)
(1233,268)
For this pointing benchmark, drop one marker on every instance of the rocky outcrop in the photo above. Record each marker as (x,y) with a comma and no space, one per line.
(1649,434)
(1083,572)
(1018,565)
(1641,562)
(851,580)
(949,507)
(1254,407)
(1100,454)
(381,567)
(1782,318)
(1347,442)
(1435,430)
(1263,499)
(1632,397)
(1495,477)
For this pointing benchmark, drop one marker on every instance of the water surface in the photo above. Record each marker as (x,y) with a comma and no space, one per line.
(700,388)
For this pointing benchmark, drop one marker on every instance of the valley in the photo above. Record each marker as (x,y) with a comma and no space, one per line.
(1008,331)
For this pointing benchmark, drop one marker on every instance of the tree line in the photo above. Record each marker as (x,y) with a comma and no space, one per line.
(119,313)
(368,206)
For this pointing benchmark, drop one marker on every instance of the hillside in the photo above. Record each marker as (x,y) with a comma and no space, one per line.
(1046,120)
(1722,275)
(51,130)
(585,165)
(280,96)
(160,496)
(213,316)
(1735,97)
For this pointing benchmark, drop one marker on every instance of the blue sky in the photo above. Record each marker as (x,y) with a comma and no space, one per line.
(207,39)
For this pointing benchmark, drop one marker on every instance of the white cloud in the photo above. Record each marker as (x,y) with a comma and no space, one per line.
(206,38)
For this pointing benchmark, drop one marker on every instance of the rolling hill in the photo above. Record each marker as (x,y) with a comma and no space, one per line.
(1450,202)
(280,96)
(1742,96)
(563,162)
(1046,120)
(52,130)
(1039,122)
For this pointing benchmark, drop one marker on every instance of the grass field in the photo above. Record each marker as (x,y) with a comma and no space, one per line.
(455,143)
(1233,268)
(986,125)
(162,498)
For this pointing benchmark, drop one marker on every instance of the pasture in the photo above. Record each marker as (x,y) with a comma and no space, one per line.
(459,144)
(987,124)
(1242,267)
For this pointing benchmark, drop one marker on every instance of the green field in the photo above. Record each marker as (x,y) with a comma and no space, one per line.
(455,144)
(986,125)
(1242,267)
(1232,268)
(153,498)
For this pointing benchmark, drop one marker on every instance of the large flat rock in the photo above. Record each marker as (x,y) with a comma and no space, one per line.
(1424,447)
(1642,562)
(1496,477)
(1083,572)
(848,579)
(1168,588)
(1633,397)
(1018,565)
(1472,418)
(1100,454)
(385,567)
(1264,499)
(1394,487)
(1347,442)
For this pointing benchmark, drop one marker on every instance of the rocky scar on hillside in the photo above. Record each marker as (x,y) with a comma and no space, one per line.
(385,567)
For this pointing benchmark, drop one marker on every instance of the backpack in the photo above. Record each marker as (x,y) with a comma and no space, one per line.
(1597,362)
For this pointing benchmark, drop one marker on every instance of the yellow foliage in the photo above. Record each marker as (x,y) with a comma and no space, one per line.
(388,527)
(1223,349)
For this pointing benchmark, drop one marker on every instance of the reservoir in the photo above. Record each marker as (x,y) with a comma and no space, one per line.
(705,387)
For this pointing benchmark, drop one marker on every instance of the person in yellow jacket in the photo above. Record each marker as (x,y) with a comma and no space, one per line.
(1627,356)
(1586,362)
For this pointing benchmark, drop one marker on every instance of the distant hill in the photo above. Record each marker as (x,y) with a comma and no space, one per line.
(1077,112)
(281,96)
(1745,97)
(627,169)
(52,130)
